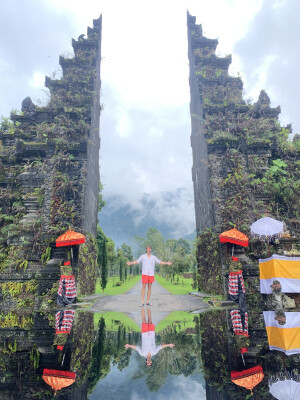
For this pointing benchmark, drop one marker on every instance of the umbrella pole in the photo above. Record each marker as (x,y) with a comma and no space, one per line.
(243,360)
(63,359)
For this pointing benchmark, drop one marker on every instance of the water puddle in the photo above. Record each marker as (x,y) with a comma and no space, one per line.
(148,361)
(84,355)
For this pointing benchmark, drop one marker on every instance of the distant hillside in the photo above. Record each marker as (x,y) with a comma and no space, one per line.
(122,224)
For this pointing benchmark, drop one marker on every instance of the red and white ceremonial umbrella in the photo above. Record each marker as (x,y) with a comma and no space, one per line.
(58,379)
(70,238)
(248,378)
(235,237)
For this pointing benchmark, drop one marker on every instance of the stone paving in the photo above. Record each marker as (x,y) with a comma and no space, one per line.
(162,303)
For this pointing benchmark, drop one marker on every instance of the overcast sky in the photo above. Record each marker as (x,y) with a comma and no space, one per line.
(145,125)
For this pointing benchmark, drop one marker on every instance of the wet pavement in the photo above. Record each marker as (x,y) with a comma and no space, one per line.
(162,302)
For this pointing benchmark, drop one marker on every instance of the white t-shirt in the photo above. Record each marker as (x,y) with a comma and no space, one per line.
(148,344)
(148,264)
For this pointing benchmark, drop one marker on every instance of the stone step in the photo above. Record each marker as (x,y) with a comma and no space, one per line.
(31,198)
(32,208)
(222,303)
(29,217)
(55,262)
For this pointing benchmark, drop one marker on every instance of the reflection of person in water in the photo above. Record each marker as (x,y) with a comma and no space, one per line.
(148,348)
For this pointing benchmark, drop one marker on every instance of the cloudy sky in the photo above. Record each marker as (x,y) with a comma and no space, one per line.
(145,125)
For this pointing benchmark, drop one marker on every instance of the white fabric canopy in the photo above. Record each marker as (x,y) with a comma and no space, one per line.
(266,228)
(285,390)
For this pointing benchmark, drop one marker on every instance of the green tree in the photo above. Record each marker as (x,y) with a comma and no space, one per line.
(184,245)
(282,186)
(181,245)
(127,256)
(127,252)
(97,356)
(104,271)
(102,256)
(121,268)
(109,350)
(111,256)
(7,125)
(181,263)
(101,202)
(181,255)
(154,239)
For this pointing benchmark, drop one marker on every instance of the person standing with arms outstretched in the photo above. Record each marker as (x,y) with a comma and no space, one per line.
(148,266)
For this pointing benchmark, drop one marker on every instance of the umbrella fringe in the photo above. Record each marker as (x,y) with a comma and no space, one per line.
(266,237)
(283,375)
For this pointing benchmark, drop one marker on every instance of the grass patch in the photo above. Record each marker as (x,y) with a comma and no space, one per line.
(113,319)
(111,290)
(183,320)
(183,286)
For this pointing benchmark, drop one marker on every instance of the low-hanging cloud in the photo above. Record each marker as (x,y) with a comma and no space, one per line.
(30,32)
(269,55)
(145,125)
(148,165)
(182,387)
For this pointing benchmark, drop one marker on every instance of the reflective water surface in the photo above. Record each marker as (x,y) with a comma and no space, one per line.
(152,362)
(81,355)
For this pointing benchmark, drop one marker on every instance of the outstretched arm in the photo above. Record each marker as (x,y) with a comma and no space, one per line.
(131,262)
(171,345)
(166,263)
(131,346)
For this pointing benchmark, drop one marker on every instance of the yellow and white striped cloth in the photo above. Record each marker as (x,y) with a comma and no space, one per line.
(284,269)
(285,337)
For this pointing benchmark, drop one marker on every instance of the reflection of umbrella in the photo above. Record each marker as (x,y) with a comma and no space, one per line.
(285,386)
(266,228)
(234,236)
(248,378)
(285,336)
(58,379)
(239,322)
(69,238)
